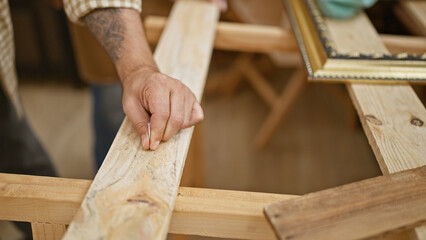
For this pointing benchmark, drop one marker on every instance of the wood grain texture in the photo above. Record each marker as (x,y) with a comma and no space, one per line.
(393,116)
(224,214)
(133,194)
(27,198)
(204,212)
(373,207)
(356,34)
(48,231)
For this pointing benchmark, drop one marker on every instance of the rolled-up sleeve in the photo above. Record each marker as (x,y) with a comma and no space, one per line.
(76,9)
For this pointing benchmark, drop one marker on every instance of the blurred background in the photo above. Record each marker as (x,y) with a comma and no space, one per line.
(318,144)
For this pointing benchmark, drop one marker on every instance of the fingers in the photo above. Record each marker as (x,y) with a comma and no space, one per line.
(222,4)
(165,103)
(197,114)
(184,112)
(159,106)
(177,115)
(139,118)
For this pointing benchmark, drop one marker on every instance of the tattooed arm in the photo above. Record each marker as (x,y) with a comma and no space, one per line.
(148,95)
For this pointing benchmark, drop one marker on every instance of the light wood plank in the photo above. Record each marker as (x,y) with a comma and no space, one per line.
(392,115)
(369,208)
(410,44)
(205,212)
(133,194)
(268,39)
(223,214)
(48,231)
(236,36)
(417,12)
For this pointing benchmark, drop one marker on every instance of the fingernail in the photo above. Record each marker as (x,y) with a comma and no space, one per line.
(143,141)
(198,112)
(224,6)
(155,145)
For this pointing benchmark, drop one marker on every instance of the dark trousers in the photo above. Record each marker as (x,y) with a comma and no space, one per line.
(107,117)
(20,150)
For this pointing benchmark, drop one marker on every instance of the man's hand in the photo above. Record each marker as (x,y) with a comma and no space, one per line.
(150,96)
(222,4)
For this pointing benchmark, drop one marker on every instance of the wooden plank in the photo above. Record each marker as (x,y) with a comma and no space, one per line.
(267,39)
(417,12)
(410,44)
(223,214)
(369,208)
(47,231)
(392,115)
(40,199)
(133,194)
(205,212)
(236,36)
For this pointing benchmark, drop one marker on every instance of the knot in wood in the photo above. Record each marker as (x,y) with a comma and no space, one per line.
(416,122)
(372,119)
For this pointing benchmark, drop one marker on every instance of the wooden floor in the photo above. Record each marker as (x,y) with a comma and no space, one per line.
(60,115)
(313,149)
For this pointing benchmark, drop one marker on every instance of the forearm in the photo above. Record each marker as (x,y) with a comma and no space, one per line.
(120,32)
(148,96)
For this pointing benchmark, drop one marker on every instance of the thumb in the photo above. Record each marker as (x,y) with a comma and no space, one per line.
(140,120)
(197,114)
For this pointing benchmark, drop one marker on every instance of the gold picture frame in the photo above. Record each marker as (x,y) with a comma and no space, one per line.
(324,63)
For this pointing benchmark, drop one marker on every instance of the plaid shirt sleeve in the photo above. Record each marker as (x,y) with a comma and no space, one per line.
(76,9)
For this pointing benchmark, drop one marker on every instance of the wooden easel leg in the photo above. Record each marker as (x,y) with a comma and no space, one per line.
(260,85)
(234,76)
(226,81)
(281,107)
(48,231)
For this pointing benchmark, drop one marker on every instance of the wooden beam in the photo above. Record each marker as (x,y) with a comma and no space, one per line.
(236,36)
(393,116)
(416,12)
(266,39)
(400,43)
(133,194)
(223,213)
(359,210)
(47,231)
(205,212)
